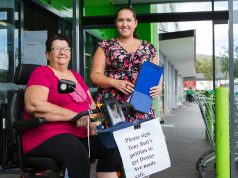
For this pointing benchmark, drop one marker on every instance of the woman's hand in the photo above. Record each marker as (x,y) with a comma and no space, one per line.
(154,91)
(93,127)
(83,121)
(124,86)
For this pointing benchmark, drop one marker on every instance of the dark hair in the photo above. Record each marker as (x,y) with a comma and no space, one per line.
(133,12)
(126,8)
(49,41)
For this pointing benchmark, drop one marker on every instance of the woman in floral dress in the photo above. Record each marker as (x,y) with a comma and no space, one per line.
(117,62)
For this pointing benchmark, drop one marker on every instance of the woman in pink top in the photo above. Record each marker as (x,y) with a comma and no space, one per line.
(57,138)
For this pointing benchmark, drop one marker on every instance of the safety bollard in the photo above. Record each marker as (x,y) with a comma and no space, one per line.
(222,132)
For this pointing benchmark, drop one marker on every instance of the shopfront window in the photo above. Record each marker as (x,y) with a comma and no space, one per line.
(4,62)
(220,5)
(91,44)
(3,55)
(9,44)
(221,54)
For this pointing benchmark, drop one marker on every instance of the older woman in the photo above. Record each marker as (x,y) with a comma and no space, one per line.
(57,138)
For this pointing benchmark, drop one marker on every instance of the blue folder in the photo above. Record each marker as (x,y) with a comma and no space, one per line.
(148,77)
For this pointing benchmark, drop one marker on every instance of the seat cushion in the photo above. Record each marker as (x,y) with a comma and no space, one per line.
(41,163)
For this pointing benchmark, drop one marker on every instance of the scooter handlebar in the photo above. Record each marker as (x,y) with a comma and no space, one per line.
(94,111)
(81,114)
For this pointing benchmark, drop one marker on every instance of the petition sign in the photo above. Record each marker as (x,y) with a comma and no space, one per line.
(144,150)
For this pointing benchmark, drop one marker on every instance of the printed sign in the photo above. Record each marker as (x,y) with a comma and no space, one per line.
(144,150)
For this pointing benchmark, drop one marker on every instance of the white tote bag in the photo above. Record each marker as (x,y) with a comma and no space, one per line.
(143,150)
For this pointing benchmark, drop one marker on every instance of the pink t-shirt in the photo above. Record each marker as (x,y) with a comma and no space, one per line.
(44,76)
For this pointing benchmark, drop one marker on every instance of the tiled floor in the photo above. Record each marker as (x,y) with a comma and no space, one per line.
(185,134)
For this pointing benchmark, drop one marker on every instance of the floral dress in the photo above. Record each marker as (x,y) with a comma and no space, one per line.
(122,65)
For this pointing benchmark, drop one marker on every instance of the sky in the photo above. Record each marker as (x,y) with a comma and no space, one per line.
(204,28)
(204,36)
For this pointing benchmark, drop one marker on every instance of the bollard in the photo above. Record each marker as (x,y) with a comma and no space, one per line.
(222,132)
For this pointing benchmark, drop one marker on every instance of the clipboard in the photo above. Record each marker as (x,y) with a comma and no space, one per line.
(149,76)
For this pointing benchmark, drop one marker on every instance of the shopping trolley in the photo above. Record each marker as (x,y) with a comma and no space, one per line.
(181,101)
(207,108)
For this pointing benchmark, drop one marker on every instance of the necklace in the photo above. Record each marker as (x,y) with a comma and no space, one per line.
(59,73)
(68,75)
(57,69)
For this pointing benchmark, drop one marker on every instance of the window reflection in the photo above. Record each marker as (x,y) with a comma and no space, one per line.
(91,43)
(3,16)
(9,45)
(193,6)
(3,55)
(220,5)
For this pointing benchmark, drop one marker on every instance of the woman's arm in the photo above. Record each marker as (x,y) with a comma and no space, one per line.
(97,74)
(93,105)
(98,69)
(36,104)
